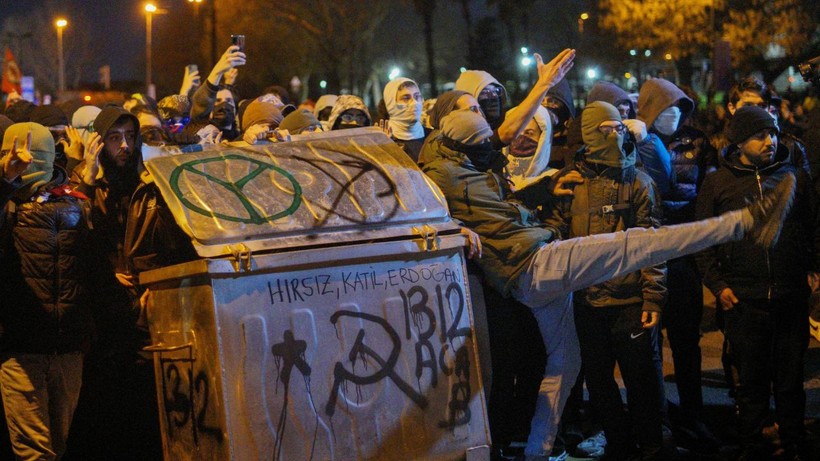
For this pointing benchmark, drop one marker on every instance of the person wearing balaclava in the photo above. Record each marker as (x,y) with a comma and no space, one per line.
(614,320)
(523,258)
(44,285)
(678,157)
(349,112)
(445,103)
(53,118)
(216,98)
(403,101)
(529,153)
(491,95)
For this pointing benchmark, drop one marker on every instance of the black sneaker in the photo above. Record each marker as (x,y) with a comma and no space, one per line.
(769,212)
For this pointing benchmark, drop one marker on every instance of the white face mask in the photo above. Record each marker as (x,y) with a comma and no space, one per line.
(408,113)
(667,121)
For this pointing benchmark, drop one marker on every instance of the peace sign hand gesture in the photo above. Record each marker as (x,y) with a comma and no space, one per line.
(18,159)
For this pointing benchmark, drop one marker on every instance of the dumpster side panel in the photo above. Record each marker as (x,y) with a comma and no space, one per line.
(347,361)
(187,371)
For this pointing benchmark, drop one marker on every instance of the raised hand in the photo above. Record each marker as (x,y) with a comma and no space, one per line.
(231,58)
(190,81)
(18,159)
(92,159)
(73,144)
(551,73)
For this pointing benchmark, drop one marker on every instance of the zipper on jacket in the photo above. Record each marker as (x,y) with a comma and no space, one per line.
(768,260)
(467,197)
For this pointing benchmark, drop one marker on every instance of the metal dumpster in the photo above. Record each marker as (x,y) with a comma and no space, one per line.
(329,317)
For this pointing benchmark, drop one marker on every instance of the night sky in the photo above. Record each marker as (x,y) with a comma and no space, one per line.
(119,29)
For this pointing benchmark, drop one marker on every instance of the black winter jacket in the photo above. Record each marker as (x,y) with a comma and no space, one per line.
(751,272)
(44,276)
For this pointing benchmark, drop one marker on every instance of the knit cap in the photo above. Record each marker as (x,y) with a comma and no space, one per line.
(466,127)
(747,121)
(259,112)
(298,120)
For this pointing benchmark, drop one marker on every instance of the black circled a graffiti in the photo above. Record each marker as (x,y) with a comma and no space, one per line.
(364,168)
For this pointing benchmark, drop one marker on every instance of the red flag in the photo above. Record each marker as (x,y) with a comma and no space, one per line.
(11,74)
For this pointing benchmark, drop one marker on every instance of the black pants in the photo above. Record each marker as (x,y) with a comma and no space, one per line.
(613,334)
(769,340)
(518,360)
(682,318)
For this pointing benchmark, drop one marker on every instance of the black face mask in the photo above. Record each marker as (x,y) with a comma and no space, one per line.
(482,156)
(491,108)
(223,115)
(345,126)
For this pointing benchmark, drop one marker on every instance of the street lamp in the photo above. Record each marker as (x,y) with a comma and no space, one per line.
(60,23)
(150,11)
(583,17)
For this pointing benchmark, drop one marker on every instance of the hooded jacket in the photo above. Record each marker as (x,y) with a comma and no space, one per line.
(751,272)
(110,195)
(677,163)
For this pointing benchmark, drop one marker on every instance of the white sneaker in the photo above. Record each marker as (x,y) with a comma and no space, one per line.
(592,447)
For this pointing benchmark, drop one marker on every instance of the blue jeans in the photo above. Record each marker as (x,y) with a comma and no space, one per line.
(40,393)
(561,267)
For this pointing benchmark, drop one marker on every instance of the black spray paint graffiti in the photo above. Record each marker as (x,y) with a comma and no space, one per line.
(416,306)
(290,354)
(362,170)
(186,398)
(360,351)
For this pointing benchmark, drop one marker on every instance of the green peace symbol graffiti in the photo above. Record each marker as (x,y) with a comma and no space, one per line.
(236,188)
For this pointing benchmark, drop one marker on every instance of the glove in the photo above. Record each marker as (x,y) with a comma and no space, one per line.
(637,128)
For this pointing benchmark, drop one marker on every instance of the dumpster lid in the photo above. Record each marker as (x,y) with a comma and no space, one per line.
(330,188)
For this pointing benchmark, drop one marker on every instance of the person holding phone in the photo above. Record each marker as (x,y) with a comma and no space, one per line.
(215,100)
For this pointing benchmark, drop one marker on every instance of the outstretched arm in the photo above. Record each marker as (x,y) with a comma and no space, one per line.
(549,75)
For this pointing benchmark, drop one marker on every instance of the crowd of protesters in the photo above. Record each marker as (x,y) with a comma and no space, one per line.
(592,230)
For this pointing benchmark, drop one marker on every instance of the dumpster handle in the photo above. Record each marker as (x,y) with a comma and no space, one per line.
(154,348)
(428,236)
(242,255)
